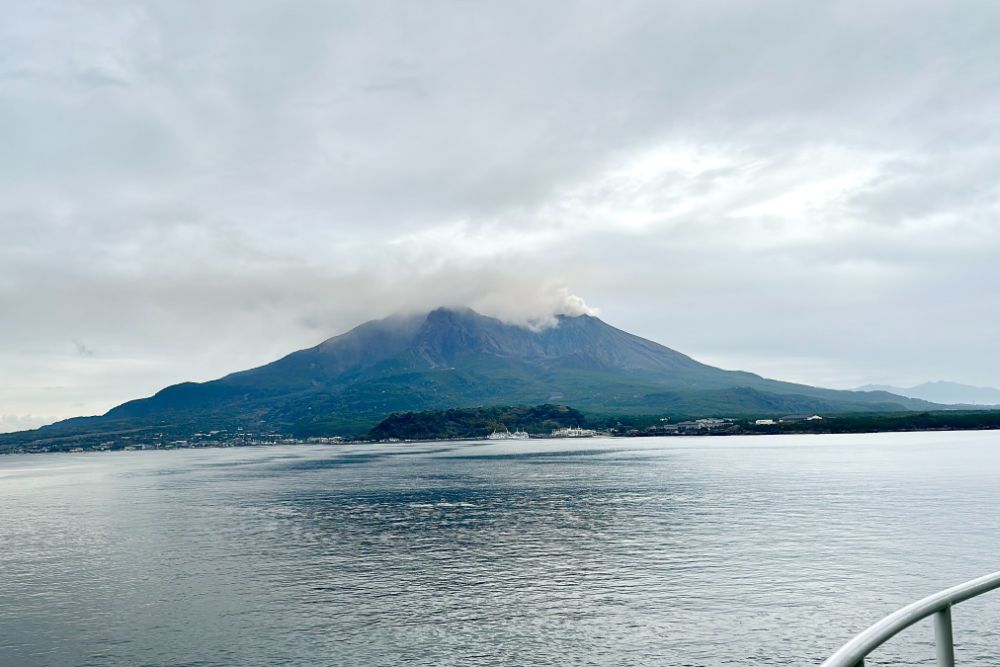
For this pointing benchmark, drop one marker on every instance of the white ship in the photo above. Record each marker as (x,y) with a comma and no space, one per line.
(574,432)
(507,435)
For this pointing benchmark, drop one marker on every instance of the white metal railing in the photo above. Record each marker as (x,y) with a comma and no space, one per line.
(853,653)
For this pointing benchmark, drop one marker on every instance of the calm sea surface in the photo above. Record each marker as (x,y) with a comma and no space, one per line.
(683,551)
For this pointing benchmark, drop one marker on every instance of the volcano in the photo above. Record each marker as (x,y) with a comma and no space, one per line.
(456,357)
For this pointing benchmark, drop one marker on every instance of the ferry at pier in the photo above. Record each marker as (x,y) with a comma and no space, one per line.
(573,432)
(507,435)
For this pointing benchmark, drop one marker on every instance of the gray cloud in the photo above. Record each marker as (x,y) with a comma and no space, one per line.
(806,190)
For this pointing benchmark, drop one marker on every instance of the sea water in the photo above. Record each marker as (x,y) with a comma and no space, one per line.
(653,551)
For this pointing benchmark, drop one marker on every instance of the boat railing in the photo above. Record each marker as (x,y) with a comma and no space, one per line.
(854,652)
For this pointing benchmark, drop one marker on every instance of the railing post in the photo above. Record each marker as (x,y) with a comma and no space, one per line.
(945,645)
(938,606)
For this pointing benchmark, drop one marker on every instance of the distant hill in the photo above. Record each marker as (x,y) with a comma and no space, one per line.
(948,393)
(475,422)
(457,358)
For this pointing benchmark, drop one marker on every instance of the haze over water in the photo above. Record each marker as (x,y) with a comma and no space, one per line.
(678,551)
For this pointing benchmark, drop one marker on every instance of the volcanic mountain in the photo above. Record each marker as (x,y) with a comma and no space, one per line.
(458,358)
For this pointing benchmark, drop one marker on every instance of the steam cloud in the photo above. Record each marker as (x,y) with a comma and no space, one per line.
(554,300)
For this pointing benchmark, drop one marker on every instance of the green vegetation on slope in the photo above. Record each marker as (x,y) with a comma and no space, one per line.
(475,422)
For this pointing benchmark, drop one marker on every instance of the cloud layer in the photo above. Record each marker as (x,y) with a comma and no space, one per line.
(809,191)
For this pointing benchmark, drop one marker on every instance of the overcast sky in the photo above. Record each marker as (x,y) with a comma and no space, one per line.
(806,190)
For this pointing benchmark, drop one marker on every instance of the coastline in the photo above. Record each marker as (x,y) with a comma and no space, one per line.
(988,420)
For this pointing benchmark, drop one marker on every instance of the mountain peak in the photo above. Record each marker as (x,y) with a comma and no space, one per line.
(452,311)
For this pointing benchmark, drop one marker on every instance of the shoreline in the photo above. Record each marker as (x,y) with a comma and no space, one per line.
(291,442)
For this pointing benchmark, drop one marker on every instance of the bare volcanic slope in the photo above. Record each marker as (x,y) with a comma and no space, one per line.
(451,358)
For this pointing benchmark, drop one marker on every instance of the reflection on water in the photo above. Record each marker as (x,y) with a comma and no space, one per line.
(730,551)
